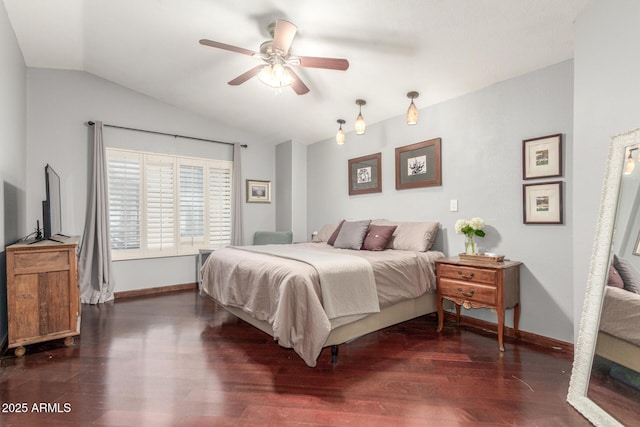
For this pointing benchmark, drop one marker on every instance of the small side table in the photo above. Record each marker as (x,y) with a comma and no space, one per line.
(476,284)
(202,256)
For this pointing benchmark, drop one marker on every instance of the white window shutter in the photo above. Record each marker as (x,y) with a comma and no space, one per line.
(160,204)
(191,204)
(219,181)
(125,210)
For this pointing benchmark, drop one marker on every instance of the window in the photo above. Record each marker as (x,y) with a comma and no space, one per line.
(161,205)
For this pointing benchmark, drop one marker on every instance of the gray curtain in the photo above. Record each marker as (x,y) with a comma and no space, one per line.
(236,195)
(96,278)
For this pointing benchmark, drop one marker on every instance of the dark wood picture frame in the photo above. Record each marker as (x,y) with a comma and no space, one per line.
(419,165)
(542,157)
(365,174)
(542,203)
(258,191)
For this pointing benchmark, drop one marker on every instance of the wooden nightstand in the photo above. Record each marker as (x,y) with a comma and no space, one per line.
(474,284)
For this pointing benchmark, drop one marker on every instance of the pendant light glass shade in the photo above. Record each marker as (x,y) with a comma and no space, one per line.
(360,126)
(340,136)
(630,164)
(412,112)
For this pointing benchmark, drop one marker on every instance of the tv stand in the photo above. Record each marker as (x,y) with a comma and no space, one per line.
(43,296)
(48,239)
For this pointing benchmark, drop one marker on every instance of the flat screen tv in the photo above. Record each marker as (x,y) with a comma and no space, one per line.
(52,206)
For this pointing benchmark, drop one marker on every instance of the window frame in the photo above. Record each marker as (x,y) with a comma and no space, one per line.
(179,247)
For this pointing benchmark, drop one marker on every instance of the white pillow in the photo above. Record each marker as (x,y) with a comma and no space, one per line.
(411,236)
(325,232)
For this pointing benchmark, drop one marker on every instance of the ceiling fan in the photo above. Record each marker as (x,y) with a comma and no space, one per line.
(277,69)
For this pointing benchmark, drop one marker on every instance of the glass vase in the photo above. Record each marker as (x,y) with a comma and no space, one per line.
(469,245)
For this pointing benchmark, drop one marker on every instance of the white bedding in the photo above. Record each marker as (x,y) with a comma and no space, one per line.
(287,294)
(334,270)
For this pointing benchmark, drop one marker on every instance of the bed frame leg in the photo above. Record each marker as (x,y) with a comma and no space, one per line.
(334,354)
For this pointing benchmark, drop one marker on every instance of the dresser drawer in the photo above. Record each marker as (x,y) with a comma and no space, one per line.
(470,274)
(473,292)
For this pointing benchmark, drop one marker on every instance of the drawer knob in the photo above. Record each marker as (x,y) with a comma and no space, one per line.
(465,276)
(467,294)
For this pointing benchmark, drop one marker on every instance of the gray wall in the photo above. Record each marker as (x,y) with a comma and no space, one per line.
(283,195)
(607,69)
(482,135)
(291,189)
(13,87)
(59,105)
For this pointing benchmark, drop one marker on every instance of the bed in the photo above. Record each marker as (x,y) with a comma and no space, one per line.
(619,334)
(296,294)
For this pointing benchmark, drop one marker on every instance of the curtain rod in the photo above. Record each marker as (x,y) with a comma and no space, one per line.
(91,123)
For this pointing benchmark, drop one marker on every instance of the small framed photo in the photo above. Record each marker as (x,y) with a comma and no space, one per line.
(365,174)
(542,203)
(258,191)
(542,157)
(418,165)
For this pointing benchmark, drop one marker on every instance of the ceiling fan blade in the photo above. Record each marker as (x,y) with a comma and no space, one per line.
(298,86)
(283,35)
(224,46)
(247,75)
(328,63)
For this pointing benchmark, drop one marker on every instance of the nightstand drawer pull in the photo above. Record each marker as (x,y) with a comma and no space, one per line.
(465,276)
(467,294)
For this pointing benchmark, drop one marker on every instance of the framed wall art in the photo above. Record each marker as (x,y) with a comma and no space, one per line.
(542,203)
(542,157)
(418,165)
(365,174)
(258,191)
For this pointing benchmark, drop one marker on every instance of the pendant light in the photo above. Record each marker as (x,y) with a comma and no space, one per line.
(360,124)
(630,164)
(340,136)
(412,112)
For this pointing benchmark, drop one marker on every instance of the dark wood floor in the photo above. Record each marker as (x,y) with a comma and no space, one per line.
(179,360)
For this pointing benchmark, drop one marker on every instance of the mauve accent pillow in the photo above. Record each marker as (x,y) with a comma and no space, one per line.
(630,276)
(352,234)
(334,235)
(378,237)
(325,233)
(614,278)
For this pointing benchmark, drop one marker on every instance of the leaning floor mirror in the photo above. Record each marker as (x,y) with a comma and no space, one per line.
(605,381)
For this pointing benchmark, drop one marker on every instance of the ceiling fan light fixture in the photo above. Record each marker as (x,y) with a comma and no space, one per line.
(360,126)
(340,136)
(412,112)
(275,76)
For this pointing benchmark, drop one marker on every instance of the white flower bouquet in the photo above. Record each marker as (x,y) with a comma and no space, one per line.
(470,228)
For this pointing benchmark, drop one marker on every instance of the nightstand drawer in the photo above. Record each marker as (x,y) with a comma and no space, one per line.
(474,292)
(460,272)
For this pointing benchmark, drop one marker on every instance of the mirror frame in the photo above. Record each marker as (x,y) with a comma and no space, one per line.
(598,272)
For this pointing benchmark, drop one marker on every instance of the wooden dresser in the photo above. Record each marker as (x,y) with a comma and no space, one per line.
(476,284)
(43,297)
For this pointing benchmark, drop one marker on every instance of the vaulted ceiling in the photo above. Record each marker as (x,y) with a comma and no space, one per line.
(442,49)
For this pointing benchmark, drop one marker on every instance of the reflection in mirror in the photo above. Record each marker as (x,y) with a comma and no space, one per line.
(605,384)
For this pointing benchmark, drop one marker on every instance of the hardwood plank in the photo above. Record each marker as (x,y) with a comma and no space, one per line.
(179,359)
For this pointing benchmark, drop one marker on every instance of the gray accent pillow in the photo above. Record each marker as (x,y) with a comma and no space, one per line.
(630,276)
(352,234)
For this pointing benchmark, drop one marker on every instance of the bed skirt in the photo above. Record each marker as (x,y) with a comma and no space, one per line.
(388,316)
